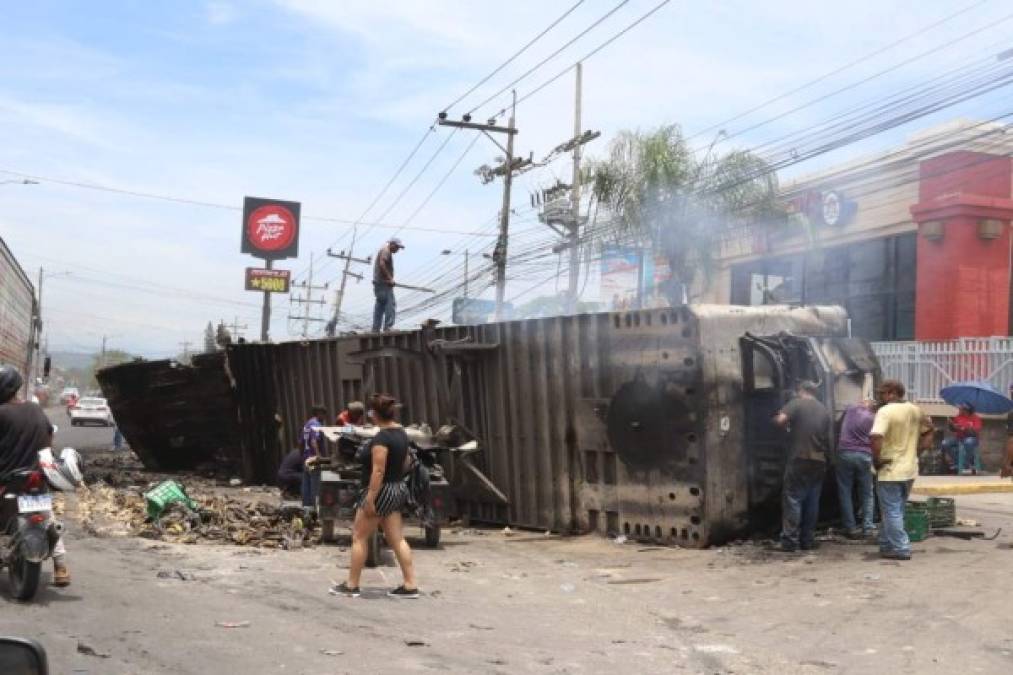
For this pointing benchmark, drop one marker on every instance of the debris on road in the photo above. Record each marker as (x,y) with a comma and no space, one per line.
(82,648)
(331,652)
(232,624)
(416,643)
(224,519)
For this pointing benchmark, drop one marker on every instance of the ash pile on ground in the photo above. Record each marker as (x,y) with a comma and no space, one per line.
(112,504)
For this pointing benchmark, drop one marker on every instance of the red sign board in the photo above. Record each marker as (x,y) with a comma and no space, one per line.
(270,228)
(267,281)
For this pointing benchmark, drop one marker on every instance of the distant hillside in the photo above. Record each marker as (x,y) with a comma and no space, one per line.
(72,360)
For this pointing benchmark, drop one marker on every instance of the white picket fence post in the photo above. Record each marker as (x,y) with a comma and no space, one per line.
(927,367)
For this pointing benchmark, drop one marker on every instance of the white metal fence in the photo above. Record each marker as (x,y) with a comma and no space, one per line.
(927,367)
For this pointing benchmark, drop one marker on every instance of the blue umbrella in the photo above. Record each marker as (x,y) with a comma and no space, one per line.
(980,394)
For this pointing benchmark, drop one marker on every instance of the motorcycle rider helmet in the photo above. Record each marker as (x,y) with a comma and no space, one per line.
(10,382)
(63,474)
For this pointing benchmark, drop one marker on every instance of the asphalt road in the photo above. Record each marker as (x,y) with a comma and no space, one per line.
(80,438)
(526,602)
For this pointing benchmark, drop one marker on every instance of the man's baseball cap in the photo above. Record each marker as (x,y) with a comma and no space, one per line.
(397,242)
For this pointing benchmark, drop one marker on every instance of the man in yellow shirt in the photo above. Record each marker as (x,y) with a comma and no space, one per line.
(898,433)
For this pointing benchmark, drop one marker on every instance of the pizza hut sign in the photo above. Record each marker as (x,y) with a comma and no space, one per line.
(270,228)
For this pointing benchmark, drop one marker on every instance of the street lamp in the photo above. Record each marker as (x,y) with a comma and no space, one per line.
(19,181)
(447,251)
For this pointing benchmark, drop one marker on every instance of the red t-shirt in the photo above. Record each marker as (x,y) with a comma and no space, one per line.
(345,419)
(965,423)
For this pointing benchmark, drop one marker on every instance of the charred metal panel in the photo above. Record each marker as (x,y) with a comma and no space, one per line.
(630,422)
(174,415)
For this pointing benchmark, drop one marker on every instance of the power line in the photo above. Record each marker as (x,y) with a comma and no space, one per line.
(510,60)
(864,80)
(841,69)
(552,55)
(205,204)
(588,55)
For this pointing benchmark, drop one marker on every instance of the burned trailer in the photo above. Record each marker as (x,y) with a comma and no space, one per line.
(175,415)
(652,423)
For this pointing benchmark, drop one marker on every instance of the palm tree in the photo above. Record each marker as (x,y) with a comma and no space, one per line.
(660,193)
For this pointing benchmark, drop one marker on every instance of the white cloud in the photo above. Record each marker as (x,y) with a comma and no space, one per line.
(220,13)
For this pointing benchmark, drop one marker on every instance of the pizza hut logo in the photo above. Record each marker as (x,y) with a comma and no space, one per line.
(271,228)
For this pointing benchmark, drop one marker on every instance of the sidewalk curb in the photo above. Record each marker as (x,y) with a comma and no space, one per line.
(962,489)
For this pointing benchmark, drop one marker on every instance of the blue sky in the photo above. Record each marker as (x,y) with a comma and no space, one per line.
(320,101)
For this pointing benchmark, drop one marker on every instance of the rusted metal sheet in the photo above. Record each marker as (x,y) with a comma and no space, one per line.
(629,422)
(175,415)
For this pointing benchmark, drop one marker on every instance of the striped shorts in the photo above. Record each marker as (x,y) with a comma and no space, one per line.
(391,498)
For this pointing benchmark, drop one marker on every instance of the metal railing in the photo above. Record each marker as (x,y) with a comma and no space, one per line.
(927,367)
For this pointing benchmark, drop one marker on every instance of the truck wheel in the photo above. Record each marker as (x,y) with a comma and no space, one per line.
(327,531)
(373,550)
(432,536)
(24,578)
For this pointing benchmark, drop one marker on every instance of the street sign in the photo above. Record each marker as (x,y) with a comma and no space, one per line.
(267,281)
(466,311)
(270,228)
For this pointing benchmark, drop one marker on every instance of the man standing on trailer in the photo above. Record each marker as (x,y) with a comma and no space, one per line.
(383,286)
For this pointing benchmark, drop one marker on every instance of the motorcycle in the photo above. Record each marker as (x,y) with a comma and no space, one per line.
(28,531)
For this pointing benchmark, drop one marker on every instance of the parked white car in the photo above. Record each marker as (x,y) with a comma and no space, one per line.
(91,410)
(67,394)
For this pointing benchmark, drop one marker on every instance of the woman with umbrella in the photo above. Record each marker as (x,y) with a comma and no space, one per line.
(963,446)
(974,396)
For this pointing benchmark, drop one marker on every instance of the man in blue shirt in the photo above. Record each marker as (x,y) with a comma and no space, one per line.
(312,441)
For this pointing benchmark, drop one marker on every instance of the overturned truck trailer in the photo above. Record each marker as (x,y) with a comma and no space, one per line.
(653,423)
(175,415)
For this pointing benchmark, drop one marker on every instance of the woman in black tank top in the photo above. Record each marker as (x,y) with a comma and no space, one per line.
(382,497)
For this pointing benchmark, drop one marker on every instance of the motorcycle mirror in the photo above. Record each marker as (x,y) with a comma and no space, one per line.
(19,656)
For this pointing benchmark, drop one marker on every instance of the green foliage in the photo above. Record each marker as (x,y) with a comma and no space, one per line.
(683,204)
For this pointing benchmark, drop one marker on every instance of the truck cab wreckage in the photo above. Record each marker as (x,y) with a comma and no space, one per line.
(653,423)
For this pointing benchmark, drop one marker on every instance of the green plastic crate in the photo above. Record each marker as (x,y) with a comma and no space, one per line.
(916,520)
(159,497)
(942,511)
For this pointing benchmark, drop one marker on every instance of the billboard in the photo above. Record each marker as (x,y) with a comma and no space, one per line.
(267,281)
(270,228)
(628,272)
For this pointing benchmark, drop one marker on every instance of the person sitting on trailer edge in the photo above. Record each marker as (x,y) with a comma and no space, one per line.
(808,424)
(353,415)
(383,495)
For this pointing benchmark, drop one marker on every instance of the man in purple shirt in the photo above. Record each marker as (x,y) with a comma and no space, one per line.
(854,466)
(311,450)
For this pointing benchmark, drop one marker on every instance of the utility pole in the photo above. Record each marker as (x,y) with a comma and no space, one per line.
(37,329)
(308,300)
(500,253)
(507,170)
(332,325)
(571,296)
(265,313)
(236,327)
(102,354)
(565,221)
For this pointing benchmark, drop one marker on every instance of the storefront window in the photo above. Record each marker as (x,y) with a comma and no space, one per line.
(874,280)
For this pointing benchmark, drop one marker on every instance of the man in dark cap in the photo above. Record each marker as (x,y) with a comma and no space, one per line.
(383,285)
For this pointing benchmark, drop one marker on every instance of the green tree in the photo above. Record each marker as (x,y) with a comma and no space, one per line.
(682,204)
